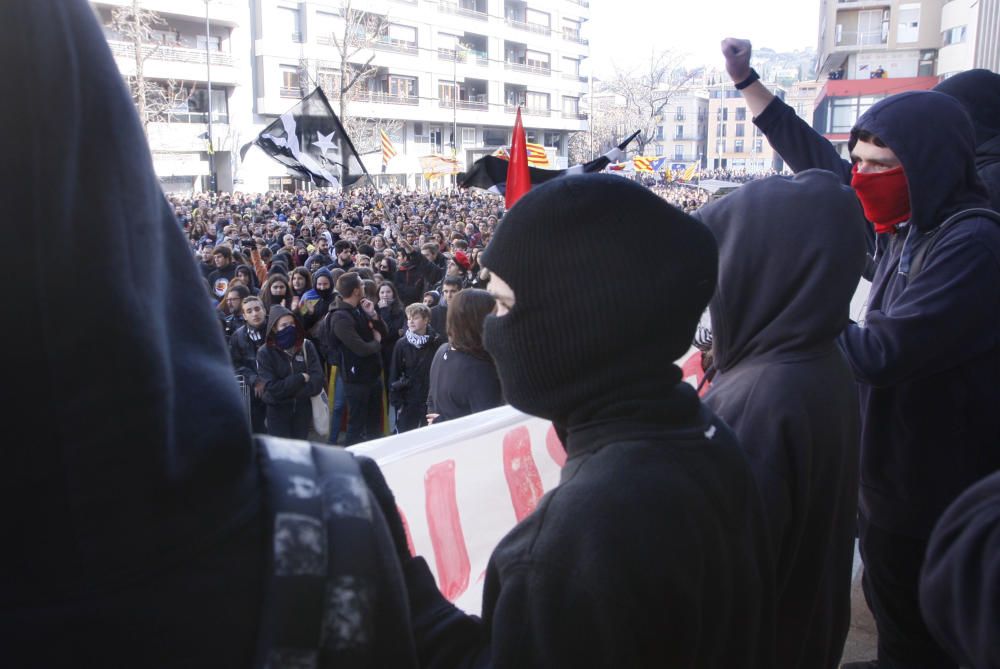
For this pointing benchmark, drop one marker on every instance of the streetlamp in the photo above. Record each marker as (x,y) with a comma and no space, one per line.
(208,69)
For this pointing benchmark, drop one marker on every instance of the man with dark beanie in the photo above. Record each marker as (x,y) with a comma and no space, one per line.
(652,551)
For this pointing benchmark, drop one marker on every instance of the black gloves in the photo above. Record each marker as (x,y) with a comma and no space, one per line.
(380,489)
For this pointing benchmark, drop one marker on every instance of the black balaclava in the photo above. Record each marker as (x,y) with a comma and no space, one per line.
(581,343)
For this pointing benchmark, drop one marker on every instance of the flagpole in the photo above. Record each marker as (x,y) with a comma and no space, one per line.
(208,68)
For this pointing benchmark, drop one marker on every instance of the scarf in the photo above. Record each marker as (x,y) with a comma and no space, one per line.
(885,197)
(418,341)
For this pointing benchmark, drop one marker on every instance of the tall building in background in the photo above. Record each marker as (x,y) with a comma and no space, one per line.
(869,49)
(970,36)
(452,72)
(682,133)
(733,141)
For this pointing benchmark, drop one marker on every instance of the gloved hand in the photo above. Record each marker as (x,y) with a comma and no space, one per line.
(387,502)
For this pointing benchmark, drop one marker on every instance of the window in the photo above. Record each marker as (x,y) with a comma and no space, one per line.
(214,43)
(679,132)
(537,18)
(571,30)
(741,113)
(537,101)
(402,87)
(420,134)
(537,60)
(720,146)
(722,130)
(495,136)
(325,28)
(758,146)
(290,82)
(570,105)
(738,146)
(571,67)
(195,108)
(658,134)
(870,26)
(468,137)
(327,79)
(402,36)
(288,24)
(658,149)
(740,129)
(908,28)
(551,138)
(446,93)
(954,35)
(678,152)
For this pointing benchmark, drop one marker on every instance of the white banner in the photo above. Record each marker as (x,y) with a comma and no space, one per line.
(462,485)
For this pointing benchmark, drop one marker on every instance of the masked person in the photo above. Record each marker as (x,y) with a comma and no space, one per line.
(153,536)
(784,387)
(652,551)
(926,355)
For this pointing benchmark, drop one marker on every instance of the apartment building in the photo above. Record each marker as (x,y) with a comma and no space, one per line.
(869,49)
(733,141)
(970,36)
(682,132)
(452,72)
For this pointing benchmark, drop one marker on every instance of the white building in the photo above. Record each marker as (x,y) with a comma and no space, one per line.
(683,131)
(970,36)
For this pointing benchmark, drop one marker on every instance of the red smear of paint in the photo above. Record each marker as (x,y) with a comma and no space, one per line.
(555,446)
(445,527)
(406,528)
(523,481)
(692,367)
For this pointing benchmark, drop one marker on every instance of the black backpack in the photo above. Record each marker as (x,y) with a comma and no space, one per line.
(931,237)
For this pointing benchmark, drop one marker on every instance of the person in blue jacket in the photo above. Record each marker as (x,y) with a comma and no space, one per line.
(927,354)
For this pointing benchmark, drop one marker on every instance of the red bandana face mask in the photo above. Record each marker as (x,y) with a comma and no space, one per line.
(885,197)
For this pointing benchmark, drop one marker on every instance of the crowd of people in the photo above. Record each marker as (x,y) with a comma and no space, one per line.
(153,527)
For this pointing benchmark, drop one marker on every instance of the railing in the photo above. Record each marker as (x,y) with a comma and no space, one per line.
(170,53)
(397,46)
(572,35)
(580,116)
(468,105)
(530,27)
(574,77)
(387,98)
(297,38)
(463,56)
(454,8)
(289,92)
(511,109)
(532,69)
(325,39)
(865,38)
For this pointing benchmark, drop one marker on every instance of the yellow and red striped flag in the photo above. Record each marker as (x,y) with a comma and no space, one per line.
(643,164)
(536,155)
(388,150)
(689,172)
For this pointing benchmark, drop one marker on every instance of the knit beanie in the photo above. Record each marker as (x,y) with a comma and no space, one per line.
(580,338)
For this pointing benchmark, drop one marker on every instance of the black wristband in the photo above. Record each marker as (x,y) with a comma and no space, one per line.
(752,77)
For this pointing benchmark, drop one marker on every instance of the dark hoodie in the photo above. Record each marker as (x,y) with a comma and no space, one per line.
(784,387)
(282,371)
(133,517)
(927,354)
(979,92)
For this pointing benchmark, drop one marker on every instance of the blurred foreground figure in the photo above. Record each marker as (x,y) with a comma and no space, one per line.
(652,551)
(143,524)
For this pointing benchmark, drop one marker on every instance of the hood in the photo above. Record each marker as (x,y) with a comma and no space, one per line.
(143,456)
(791,252)
(276,312)
(940,163)
(979,93)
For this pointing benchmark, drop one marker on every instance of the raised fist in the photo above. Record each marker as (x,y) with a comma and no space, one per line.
(737,53)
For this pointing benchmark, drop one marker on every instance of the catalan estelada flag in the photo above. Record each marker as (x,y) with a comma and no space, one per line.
(689,172)
(536,155)
(643,164)
(388,150)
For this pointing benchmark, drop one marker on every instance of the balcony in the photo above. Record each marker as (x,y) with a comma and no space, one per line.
(527,111)
(466,105)
(289,92)
(580,116)
(175,54)
(571,35)
(464,56)
(379,97)
(530,27)
(531,69)
(457,9)
(396,46)
(850,39)
(574,77)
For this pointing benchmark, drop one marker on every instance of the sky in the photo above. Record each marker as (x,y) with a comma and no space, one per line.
(623,32)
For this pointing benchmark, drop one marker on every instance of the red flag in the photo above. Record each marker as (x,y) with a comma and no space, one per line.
(518,176)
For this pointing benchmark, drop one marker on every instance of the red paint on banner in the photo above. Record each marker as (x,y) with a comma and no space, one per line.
(445,528)
(406,528)
(692,367)
(555,446)
(523,481)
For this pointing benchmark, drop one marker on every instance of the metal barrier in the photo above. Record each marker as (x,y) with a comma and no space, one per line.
(245,391)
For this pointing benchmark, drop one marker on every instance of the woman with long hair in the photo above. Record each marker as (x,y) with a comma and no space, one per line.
(301,281)
(392,312)
(464,379)
(276,290)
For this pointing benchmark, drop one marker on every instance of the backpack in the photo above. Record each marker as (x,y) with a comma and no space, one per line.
(916,260)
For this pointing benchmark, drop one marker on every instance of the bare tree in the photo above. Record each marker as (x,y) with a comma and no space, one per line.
(153,99)
(647,92)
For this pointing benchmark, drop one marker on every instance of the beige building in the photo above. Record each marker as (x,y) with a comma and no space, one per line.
(733,141)
(683,130)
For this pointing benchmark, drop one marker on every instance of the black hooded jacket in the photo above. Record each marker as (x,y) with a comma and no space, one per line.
(927,354)
(282,371)
(979,92)
(784,387)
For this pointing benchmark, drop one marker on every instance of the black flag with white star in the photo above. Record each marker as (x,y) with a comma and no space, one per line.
(311,143)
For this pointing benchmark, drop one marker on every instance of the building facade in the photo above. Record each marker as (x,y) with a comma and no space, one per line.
(682,133)
(970,36)
(733,141)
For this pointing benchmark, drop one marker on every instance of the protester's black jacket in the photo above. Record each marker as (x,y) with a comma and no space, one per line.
(418,276)
(439,320)
(786,390)
(960,583)
(282,371)
(928,354)
(227,273)
(462,384)
(350,343)
(243,350)
(979,92)
(562,590)
(413,364)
